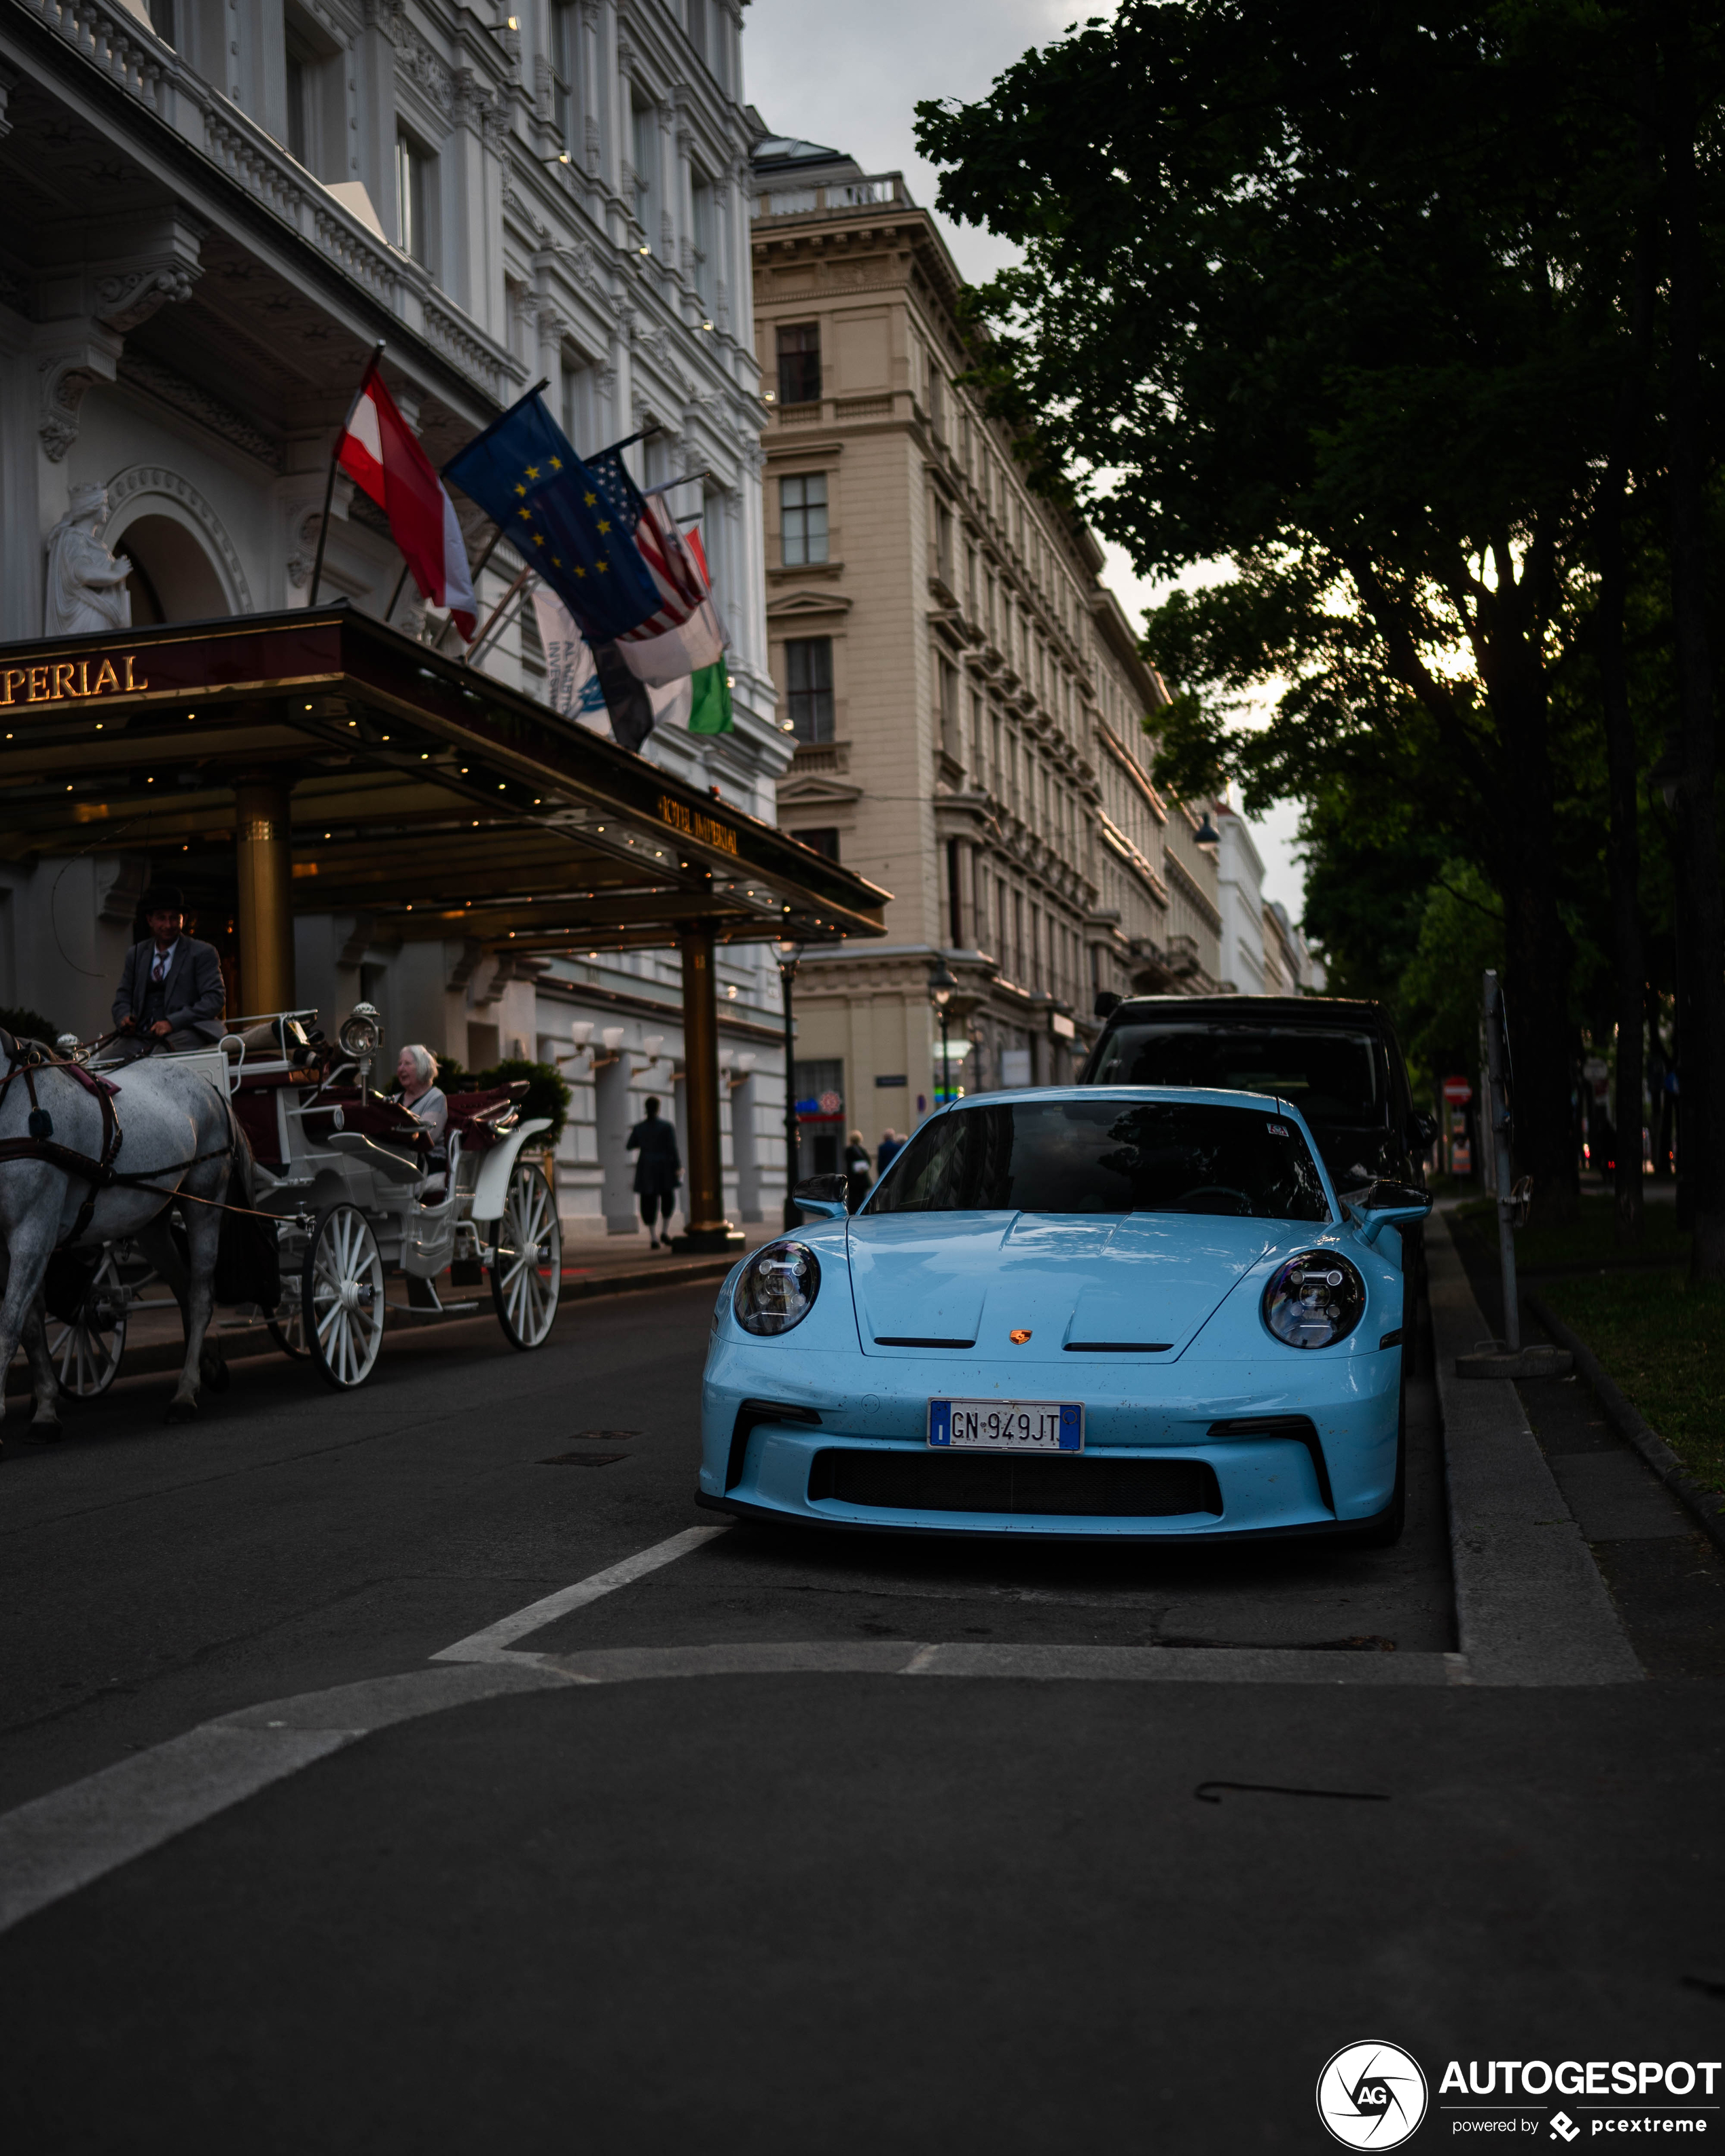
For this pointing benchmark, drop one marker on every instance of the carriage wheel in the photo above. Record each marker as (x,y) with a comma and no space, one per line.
(341,1297)
(86,1354)
(527,1266)
(287,1328)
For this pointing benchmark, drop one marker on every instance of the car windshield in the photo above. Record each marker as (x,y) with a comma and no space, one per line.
(1330,1077)
(1097,1156)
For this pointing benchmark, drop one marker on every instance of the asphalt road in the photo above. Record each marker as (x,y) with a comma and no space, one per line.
(782,1911)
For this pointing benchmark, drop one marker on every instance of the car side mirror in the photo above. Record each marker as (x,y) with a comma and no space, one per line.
(1422,1129)
(1380,1205)
(827,1197)
(1106,1002)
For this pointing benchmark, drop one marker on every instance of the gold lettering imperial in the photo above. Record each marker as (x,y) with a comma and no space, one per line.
(701,829)
(70,680)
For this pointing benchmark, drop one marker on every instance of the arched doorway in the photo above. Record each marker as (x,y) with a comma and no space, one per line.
(173,577)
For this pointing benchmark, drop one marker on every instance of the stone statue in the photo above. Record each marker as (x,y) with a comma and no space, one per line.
(86,584)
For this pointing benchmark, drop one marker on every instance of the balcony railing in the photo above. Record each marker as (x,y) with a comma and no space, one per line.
(882,187)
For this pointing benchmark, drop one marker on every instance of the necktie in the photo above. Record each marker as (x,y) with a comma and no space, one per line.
(158,972)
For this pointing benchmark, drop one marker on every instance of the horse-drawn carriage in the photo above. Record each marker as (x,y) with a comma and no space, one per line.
(360,1201)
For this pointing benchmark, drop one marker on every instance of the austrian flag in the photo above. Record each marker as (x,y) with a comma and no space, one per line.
(380,454)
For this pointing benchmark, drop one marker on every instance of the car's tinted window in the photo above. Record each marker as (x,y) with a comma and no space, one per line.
(1106,1157)
(1335,1077)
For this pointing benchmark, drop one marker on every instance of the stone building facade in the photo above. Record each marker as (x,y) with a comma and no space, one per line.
(213,209)
(965,693)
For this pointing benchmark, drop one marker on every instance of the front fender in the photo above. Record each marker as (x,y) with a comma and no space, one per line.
(498,1165)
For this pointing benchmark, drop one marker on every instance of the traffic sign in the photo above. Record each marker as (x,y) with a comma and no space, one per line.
(1457,1091)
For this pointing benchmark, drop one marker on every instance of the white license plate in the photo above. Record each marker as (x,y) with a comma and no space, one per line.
(1005,1426)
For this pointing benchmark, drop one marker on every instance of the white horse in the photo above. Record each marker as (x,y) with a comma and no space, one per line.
(176,1137)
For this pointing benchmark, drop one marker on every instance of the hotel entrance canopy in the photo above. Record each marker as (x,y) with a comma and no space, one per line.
(316,762)
(375,775)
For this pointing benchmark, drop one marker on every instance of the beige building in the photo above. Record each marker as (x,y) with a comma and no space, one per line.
(965,693)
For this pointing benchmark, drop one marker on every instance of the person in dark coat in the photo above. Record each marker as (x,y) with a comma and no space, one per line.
(858,1174)
(658,1171)
(172,994)
(891,1146)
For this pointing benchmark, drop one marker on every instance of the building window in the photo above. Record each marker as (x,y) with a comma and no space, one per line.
(161,19)
(799,363)
(825,841)
(705,242)
(565,62)
(646,165)
(808,674)
(802,519)
(411,233)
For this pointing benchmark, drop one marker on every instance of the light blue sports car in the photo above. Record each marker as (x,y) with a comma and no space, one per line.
(1092,1311)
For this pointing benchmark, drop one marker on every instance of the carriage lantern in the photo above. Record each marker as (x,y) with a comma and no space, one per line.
(361,1036)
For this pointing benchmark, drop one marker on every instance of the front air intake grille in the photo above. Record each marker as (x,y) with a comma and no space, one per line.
(1299,1428)
(1090,1486)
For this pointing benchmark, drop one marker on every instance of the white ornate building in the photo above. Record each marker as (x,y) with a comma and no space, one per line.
(213,209)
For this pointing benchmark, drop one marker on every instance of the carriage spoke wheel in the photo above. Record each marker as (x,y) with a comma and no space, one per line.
(527,1266)
(341,1297)
(287,1328)
(86,1354)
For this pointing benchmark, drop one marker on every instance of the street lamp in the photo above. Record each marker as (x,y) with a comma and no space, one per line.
(1206,834)
(789,956)
(941,987)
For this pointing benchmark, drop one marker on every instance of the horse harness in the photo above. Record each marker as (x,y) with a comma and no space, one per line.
(24,1059)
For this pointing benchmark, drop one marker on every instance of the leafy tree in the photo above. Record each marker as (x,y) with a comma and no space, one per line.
(1320,291)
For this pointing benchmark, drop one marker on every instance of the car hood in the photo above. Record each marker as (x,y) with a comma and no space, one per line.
(929,1280)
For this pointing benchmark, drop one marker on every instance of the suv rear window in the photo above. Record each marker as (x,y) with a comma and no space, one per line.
(1330,1077)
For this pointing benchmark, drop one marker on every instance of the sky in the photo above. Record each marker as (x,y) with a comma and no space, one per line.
(850,76)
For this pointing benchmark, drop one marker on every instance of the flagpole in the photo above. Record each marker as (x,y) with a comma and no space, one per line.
(479,643)
(329,484)
(395,596)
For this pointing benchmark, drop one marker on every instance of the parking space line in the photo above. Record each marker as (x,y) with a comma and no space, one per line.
(492,1644)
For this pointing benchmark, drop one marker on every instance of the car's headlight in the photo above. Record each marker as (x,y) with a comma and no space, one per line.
(1314,1300)
(777,1288)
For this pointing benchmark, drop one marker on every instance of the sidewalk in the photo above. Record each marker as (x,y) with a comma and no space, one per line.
(154,1339)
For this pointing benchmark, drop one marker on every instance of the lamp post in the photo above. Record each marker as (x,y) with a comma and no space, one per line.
(789,955)
(941,987)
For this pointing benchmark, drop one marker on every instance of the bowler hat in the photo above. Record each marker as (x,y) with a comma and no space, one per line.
(162,898)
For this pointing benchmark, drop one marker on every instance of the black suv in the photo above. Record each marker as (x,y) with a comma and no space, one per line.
(1339,1062)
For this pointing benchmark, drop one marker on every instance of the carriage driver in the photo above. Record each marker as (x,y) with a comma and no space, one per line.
(172,993)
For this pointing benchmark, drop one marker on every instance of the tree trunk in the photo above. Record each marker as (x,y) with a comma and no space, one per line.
(1700,923)
(1622,867)
(1536,947)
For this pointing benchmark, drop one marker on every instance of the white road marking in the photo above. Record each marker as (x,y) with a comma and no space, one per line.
(61,1842)
(491,1645)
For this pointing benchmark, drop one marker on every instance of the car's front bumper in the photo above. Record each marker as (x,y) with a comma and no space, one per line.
(765,1426)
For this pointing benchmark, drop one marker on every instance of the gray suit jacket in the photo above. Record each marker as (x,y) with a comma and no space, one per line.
(196,992)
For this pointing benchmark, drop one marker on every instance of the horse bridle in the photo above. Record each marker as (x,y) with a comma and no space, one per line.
(24,1059)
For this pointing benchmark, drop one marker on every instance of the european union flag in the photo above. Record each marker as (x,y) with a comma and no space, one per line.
(523,473)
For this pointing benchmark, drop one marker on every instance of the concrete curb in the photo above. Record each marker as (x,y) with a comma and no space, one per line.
(1530,1605)
(1707,1505)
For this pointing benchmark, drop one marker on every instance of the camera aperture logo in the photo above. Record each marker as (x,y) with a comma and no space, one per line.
(1371,2096)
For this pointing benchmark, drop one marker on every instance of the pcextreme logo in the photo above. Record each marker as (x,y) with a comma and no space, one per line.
(1371,2096)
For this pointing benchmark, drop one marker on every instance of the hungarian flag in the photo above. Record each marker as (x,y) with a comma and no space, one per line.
(380,454)
(684,635)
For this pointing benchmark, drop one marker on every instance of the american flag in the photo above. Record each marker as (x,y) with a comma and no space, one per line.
(683,589)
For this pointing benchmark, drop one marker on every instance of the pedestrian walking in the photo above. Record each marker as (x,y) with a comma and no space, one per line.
(858,1174)
(659,1169)
(891,1147)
